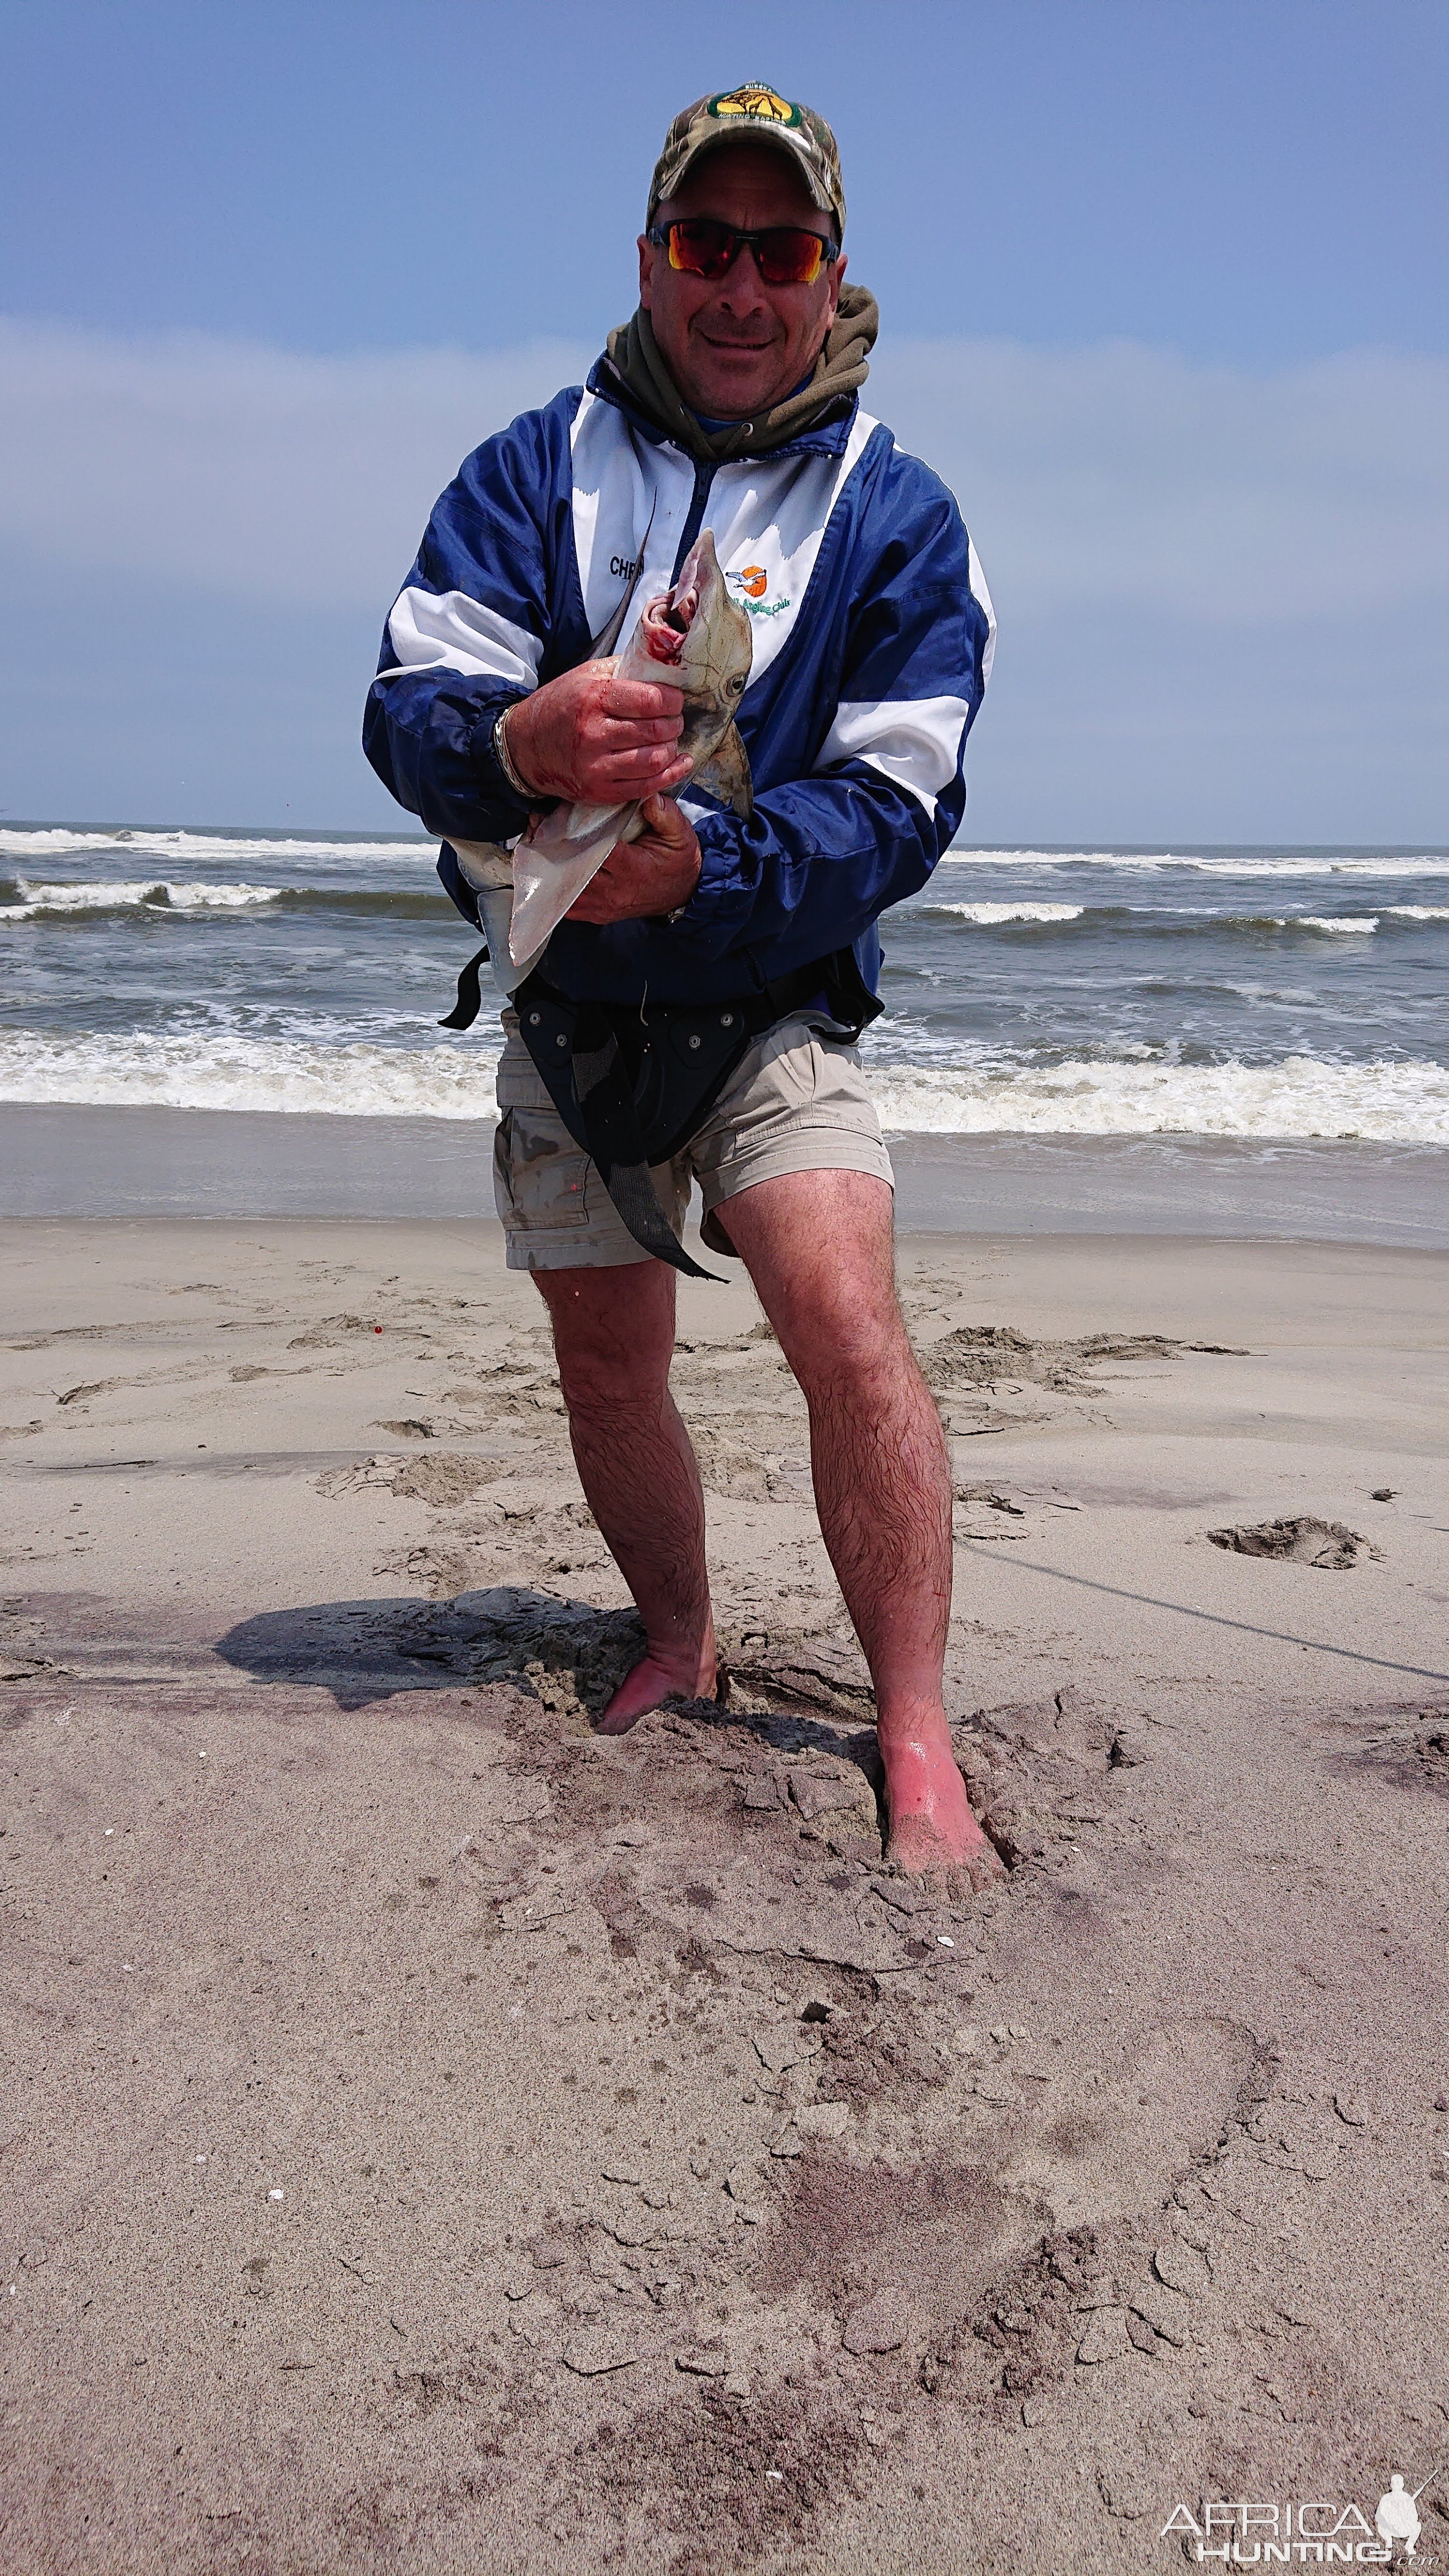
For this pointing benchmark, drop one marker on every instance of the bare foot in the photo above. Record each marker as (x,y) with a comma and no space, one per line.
(933,1832)
(655,1679)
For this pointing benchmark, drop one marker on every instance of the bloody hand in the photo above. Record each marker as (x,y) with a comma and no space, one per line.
(656,873)
(596,739)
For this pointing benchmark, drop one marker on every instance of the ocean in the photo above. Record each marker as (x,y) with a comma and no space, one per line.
(1235,994)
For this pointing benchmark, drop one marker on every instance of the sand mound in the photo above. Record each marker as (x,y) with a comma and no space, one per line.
(1301,1540)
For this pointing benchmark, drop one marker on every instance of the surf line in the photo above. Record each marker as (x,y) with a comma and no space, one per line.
(1280,1636)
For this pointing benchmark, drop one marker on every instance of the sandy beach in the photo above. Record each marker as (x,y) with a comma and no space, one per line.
(437,2138)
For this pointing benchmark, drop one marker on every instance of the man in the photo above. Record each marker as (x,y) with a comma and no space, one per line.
(729,402)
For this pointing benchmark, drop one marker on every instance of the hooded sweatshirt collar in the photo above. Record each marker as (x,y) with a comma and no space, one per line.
(633,371)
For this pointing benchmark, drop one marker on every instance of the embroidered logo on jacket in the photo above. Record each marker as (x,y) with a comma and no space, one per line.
(754,581)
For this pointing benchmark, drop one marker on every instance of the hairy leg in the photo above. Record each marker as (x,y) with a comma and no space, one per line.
(613,1332)
(818,1247)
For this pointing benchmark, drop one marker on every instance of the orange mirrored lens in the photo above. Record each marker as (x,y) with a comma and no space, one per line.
(702,250)
(784,256)
(789,258)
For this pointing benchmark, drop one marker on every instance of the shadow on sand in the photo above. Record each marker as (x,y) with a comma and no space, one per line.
(565,1656)
(364,1651)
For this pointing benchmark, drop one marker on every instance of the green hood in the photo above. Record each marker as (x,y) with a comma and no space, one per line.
(634,362)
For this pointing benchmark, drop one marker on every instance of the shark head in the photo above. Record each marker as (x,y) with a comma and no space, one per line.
(697,637)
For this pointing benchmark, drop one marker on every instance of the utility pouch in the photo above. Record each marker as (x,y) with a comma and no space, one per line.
(634,1084)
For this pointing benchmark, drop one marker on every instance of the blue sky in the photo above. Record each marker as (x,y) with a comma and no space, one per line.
(1163,292)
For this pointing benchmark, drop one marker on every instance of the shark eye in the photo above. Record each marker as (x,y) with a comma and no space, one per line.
(736,685)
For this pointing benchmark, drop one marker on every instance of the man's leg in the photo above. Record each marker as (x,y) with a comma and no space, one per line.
(818,1247)
(613,1330)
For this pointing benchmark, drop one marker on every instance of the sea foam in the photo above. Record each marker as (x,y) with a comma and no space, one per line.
(115,894)
(212,1071)
(1220,863)
(997,916)
(56,842)
(1299,1098)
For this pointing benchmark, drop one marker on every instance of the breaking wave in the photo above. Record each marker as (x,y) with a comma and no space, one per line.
(997,916)
(1216,863)
(1300,1097)
(27,899)
(22,900)
(54,841)
(34,902)
(214,1071)
(1297,1098)
(1179,920)
(1331,926)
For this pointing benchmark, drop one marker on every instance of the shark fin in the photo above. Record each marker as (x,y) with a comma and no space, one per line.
(546,882)
(631,1187)
(726,774)
(483,863)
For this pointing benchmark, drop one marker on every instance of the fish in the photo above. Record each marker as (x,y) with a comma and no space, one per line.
(694,638)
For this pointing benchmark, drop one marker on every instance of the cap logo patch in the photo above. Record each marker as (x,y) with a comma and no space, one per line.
(753,99)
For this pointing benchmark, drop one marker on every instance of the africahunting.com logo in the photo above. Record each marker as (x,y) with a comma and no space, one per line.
(755,99)
(1312,2534)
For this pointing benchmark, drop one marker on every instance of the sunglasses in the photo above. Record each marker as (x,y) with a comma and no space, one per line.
(783,256)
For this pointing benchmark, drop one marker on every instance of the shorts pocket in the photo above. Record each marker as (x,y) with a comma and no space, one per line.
(539,1173)
(838,1089)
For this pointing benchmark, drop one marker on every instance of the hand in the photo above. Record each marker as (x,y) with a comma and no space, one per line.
(596,739)
(656,873)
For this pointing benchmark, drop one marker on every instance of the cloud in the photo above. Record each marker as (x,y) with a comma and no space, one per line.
(1127,475)
(1113,474)
(247,472)
(1222,593)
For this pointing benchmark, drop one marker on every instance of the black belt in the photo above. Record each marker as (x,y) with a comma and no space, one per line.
(634,1083)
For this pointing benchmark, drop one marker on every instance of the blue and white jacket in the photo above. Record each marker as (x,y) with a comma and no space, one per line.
(873,635)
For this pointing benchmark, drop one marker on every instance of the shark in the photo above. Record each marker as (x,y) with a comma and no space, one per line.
(695,638)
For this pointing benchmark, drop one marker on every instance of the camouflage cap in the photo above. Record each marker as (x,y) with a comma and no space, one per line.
(758,114)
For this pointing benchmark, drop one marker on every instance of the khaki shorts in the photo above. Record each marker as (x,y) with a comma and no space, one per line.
(795,1103)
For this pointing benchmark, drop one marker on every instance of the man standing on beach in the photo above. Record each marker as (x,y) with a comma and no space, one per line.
(730,402)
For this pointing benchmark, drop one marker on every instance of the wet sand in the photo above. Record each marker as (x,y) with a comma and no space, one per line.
(438,2138)
(65,1160)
